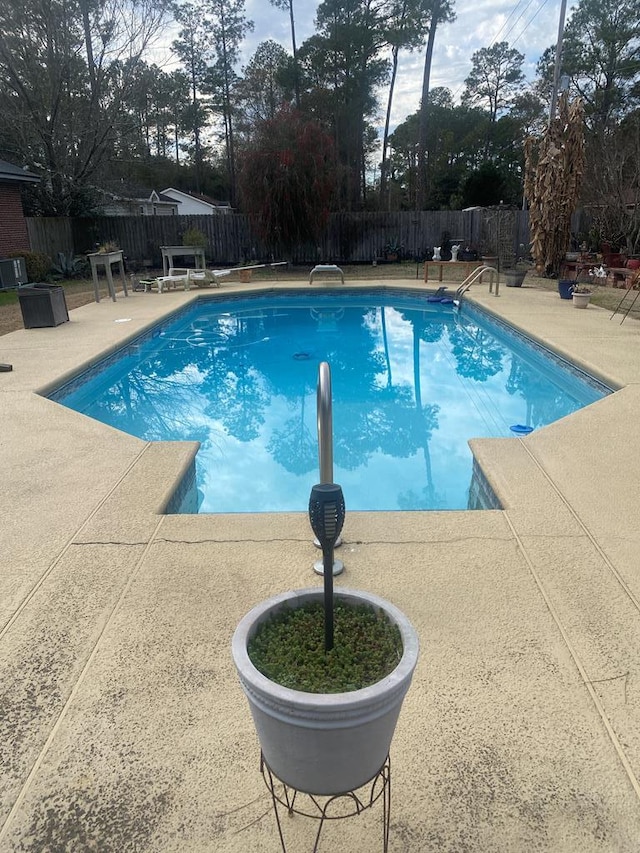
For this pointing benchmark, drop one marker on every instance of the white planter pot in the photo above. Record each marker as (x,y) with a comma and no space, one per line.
(324,743)
(580,300)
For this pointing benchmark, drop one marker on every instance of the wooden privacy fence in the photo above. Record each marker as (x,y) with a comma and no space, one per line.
(349,237)
(50,235)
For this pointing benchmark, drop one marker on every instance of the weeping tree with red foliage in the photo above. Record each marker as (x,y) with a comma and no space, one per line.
(287,180)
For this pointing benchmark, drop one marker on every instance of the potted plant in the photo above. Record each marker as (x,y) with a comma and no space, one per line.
(581,294)
(325,715)
(194,237)
(515,275)
(565,287)
(108,247)
(515,272)
(393,250)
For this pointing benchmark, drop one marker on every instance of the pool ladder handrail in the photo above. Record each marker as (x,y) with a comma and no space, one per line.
(475,275)
(325,423)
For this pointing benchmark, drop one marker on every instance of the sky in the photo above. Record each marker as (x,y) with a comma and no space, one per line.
(530,26)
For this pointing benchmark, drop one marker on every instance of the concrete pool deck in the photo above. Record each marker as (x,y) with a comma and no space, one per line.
(122,726)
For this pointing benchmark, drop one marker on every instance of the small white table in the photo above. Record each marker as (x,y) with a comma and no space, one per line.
(106,259)
(171,252)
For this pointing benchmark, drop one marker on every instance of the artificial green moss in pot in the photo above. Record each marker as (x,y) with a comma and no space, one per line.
(289,648)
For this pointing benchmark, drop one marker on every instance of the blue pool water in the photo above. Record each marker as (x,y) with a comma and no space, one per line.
(412,382)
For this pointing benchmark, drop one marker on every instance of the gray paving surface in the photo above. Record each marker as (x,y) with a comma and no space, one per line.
(122,727)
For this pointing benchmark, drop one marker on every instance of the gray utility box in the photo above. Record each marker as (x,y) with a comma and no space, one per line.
(42,305)
(13,272)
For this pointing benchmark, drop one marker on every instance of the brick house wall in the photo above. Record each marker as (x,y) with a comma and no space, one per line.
(13,228)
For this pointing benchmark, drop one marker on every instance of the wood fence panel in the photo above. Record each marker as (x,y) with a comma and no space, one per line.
(50,235)
(352,237)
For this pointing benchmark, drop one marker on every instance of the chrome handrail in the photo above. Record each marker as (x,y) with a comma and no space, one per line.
(475,275)
(325,423)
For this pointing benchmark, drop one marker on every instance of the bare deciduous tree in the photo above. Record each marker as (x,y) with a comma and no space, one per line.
(66,70)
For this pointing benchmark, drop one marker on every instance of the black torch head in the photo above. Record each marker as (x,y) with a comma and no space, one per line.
(326,513)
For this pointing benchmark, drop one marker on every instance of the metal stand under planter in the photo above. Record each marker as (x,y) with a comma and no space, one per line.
(335,807)
(324,743)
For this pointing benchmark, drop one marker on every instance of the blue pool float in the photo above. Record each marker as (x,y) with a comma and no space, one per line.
(521,429)
(443,300)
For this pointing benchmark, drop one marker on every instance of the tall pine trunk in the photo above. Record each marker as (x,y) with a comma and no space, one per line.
(422,122)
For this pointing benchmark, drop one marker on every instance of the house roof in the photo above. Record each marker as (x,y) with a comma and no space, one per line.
(121,192)
(204,199)
(9,172)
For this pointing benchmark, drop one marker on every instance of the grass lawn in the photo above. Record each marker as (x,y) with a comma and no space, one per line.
(80,291)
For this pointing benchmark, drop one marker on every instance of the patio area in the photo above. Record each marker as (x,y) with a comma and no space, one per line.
(122,725)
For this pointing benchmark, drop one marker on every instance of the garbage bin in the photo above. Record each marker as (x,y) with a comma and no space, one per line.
(42,305)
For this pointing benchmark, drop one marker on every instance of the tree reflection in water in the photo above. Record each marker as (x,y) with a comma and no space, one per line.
(242,381)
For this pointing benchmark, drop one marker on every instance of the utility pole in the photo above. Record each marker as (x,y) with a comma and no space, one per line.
(558,62)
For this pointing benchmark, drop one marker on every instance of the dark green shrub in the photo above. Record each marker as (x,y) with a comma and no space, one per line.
(289,648)
(38,264)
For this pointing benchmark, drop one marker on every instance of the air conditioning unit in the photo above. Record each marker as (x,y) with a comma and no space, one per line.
(13,271)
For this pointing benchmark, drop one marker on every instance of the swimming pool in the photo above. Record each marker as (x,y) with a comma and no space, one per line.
(412,381)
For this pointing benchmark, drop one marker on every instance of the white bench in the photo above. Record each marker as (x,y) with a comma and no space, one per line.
(330,269)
